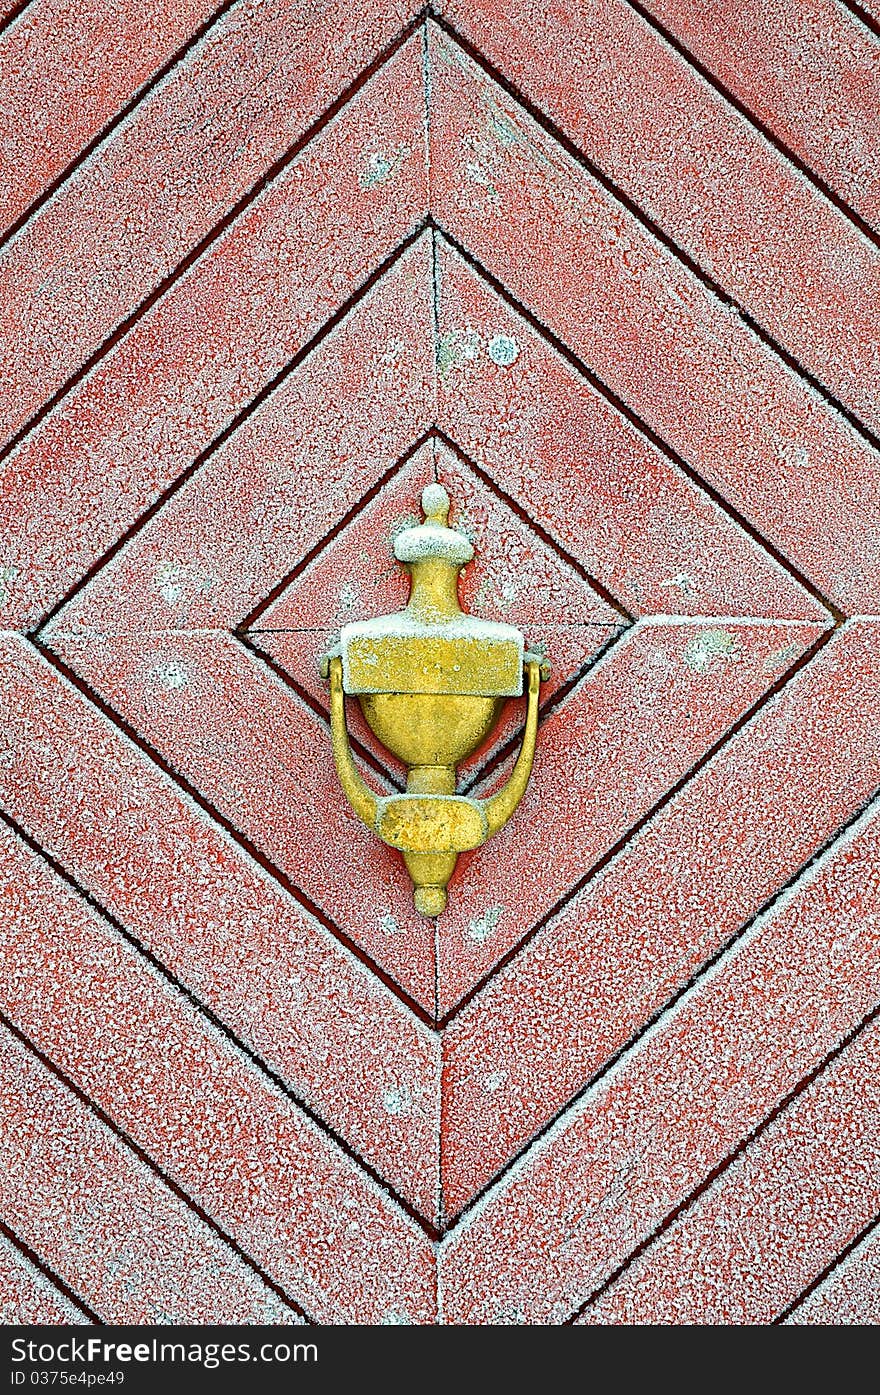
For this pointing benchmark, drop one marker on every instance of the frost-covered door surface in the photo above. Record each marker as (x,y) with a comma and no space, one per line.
(610,271)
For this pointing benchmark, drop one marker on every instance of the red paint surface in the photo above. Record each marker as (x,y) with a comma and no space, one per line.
(626,735)
(673,1109)
(775,1219)
(26,1296)
(194,147)
(267,1175)
(225,930)
(636,934)
(683,360)
(850,1295)
(268,495)
(273,1077)
(225,330)
(66,71)
(628,514)
(808,70)
(707,178)
(114,1231)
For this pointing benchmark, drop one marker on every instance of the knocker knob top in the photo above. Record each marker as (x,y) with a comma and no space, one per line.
(433,540)
(435,504)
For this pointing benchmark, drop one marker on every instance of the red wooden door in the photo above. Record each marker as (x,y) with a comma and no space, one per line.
(610,272)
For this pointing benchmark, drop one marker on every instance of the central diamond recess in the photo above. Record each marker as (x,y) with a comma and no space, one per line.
(516,577)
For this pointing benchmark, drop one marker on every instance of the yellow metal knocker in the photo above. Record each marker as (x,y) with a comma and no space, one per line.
(431,682)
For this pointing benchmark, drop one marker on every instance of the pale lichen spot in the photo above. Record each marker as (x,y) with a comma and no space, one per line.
(793,453)
(171,675)
(397,1319)
(397,1100)
(493,1081)
(484,926)
(380,167)
(682,582)
(711,649)
(348,596)
(393,352)
(7,577)
(388,924)
(781,658)
(503,596)
(477,173)
(503,350)
(169,580)
(173,579)
(456,347)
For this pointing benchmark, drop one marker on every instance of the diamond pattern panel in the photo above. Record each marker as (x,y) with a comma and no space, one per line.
(646,1015)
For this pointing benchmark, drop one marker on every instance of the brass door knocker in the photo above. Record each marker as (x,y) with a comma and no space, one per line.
(431,682)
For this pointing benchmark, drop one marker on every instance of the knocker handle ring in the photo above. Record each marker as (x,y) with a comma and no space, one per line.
(432,829)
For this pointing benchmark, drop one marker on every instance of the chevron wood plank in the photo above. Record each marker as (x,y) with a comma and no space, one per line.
(27,1296)
(148,410)
(704,175)
(808,71)
(65,72)
(850,1296)
(620,950)
(651,707)
(516,576)
(269,494)
(169,175)
(247,743)
(354,574)
(672,1110)
(253,1161)
(230,935)
(774,1221)
(117,1235)
(634,520)
(682,359)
